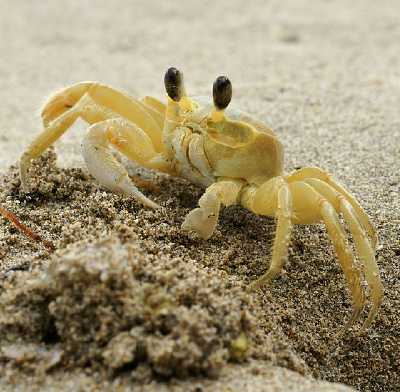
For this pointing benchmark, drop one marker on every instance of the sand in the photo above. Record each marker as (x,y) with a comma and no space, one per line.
(324,77)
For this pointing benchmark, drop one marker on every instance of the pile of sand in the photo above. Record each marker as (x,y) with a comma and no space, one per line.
(108,305)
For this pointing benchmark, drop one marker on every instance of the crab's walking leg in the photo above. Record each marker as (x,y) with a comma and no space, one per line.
(106,99)
(316,192)
(360,238)
(92,102)
(131,141)
(366,254)
(156,109)
(203,220)
(315,172)
(345,257)
(63,100)
(282,236)
(44,140)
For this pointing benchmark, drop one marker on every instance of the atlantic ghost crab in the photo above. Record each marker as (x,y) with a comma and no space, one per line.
(236,158)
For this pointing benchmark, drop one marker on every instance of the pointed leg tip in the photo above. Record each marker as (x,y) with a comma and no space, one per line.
(25,187)
(23,173)
(375,242)
(264,281)
(254,286)
(370,319)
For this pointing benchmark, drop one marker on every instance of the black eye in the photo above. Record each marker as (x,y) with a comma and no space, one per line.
(173,81)
(222,92)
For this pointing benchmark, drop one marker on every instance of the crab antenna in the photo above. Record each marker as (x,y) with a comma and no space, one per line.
(222,95)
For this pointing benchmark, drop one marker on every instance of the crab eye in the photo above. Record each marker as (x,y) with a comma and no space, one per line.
(222,92)
(173,81)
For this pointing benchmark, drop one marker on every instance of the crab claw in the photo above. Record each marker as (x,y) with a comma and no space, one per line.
(203,220)
(200,222)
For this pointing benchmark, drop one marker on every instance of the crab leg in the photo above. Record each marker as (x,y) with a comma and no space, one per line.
(53,132)
(345,257)
(130,109)
(63,100)
(315,172)
(203,220)
(282,237)
(154,103)
(155,108)
(106,98)
(92,102)
(364,248)
(131,141)
(317,192)
(85,108)
(366,254)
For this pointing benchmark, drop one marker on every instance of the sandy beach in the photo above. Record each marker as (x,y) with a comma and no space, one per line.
(128,299)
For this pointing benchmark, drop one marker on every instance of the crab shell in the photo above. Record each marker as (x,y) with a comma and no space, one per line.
(235,146)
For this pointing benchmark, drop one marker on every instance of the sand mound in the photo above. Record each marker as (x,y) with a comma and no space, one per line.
(113,307)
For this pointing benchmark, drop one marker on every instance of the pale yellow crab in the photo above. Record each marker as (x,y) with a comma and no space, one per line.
(236,158)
